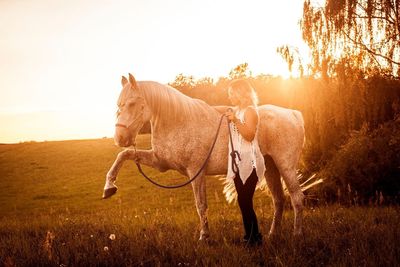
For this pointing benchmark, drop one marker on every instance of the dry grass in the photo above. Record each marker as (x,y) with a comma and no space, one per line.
(52,215)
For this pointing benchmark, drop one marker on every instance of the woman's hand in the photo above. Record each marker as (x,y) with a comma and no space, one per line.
(231,116)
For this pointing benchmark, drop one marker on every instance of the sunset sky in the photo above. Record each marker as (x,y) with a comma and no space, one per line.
(61,61)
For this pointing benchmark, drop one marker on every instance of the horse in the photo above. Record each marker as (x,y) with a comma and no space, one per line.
(183,129)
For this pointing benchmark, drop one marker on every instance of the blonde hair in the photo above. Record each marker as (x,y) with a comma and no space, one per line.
(245,90)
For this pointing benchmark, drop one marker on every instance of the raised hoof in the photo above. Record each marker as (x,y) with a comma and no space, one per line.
(109,192)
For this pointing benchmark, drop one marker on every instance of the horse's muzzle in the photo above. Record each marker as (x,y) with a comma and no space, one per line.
(123,138)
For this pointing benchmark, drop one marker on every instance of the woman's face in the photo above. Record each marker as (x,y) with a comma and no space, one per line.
(234,96)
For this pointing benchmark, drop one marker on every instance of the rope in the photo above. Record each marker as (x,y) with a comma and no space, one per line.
(234,152)
(233,155)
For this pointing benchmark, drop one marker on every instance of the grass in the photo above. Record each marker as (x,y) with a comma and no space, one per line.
(52,215)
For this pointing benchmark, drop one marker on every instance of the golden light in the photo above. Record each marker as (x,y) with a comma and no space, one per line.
(62,62)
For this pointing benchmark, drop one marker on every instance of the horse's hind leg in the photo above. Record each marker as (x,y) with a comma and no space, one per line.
(199,190)
(274,183)
(296,197)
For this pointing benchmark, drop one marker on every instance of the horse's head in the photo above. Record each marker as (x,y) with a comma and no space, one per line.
(132,113)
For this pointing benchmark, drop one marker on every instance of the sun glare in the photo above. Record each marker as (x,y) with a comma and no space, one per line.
(75,62)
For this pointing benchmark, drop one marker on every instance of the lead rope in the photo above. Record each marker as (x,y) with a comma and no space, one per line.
(233,154)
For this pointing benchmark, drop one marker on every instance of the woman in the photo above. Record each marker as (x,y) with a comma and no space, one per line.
(250,162)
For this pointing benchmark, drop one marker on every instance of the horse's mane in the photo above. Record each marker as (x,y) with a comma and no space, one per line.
(167,102)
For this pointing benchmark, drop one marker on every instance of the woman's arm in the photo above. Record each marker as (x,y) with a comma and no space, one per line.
(248,128)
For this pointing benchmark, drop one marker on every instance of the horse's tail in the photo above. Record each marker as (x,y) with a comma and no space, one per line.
(229,189)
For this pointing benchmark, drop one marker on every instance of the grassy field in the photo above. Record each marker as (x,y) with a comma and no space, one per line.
(52,215)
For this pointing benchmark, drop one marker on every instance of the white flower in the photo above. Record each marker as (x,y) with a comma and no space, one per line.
(105,248)
(112,237)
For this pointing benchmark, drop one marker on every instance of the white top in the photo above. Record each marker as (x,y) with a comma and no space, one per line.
(250,153)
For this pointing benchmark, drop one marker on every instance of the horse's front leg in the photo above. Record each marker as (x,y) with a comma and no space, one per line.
(145,157)
(199,190)
(110,188)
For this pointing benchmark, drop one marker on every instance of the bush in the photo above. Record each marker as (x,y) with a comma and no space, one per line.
(368,163)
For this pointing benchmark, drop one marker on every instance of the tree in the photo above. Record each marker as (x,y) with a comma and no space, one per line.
(183,82)
(240,71)
(361,34)
(292,57)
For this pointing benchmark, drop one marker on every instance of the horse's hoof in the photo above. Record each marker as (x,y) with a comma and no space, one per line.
(204,237)
(271,236)
(109,192)
(206,241)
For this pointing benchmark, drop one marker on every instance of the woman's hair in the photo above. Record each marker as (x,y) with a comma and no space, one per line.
(245,90)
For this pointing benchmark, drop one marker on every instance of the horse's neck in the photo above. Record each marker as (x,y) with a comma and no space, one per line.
(169,107)
(172,112)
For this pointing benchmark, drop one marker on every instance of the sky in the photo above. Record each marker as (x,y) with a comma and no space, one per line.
(61,61)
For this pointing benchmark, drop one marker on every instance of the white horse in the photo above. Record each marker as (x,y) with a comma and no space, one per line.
(183,129)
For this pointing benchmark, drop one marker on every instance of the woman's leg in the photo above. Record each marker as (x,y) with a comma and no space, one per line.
(242,204)
(245,199)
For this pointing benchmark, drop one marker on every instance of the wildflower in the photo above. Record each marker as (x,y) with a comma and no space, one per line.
(106,249)
(91,236)
(112,237)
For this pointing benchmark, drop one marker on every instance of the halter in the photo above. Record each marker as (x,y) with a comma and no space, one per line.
(129,125)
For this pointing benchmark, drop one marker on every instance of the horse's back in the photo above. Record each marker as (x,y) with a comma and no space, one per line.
(280,129)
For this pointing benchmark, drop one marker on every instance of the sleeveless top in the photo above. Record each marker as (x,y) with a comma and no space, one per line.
(250,153)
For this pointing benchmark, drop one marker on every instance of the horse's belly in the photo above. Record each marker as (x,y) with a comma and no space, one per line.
(217,170)
(218,163)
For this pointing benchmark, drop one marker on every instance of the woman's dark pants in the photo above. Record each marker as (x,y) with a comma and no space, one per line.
(245,198)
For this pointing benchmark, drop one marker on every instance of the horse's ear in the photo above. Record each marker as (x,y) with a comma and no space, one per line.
(124,81)
(132,81)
